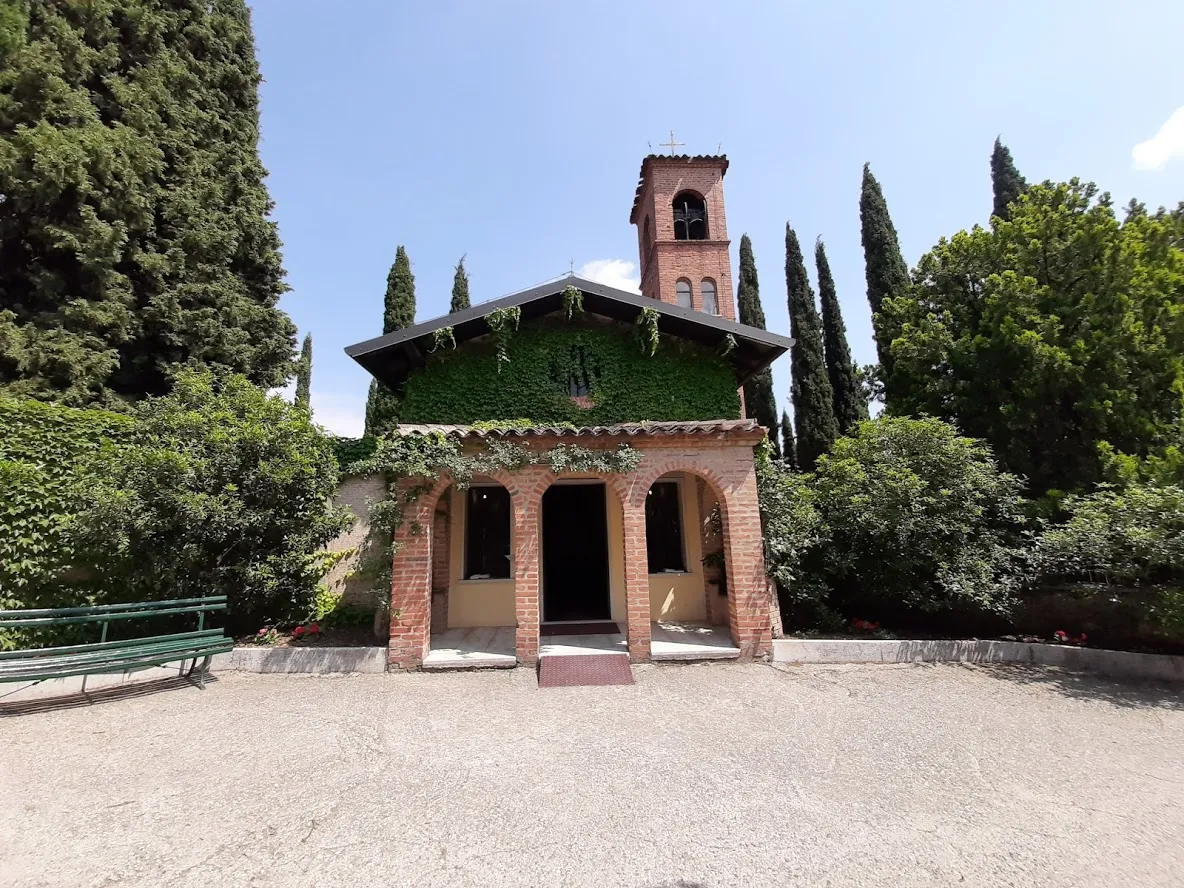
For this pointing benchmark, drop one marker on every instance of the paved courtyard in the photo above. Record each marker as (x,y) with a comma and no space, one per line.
(707,775)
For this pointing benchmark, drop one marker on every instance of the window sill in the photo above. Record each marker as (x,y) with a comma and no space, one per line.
(480,580)
(674,573)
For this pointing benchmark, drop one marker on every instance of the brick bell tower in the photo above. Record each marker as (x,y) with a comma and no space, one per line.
(682,233)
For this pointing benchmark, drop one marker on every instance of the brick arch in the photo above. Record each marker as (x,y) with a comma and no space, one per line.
(645,480)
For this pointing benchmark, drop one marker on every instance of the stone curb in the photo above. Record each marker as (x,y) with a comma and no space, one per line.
(312,660)
(1126,664)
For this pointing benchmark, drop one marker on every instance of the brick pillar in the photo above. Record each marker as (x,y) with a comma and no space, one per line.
(637,579)
(748,599)
(527,505)
(411,583)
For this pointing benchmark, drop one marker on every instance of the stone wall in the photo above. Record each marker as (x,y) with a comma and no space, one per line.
(357,494)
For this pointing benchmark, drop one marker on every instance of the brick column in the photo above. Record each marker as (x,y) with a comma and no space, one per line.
(411,583)
(527,505)
(748,599)
(637,579)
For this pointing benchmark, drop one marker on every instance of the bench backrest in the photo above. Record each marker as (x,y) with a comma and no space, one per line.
(103,613)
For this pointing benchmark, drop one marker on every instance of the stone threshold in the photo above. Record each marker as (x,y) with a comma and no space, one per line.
(1122,664)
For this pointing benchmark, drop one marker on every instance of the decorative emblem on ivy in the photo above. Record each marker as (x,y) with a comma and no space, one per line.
(442,337)
(647,330)
(573,301)
(504,323)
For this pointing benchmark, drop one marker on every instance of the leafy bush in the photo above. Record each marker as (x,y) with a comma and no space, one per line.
(223,491)
(1117,536)
(793,529)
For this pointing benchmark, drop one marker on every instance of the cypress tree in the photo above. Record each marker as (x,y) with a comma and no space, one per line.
(813,398)
(304,374)
(398,312)
(759,401)
(1006,181)
(850,406)
(148,247)
(460,288)
(887,273)
(789,450)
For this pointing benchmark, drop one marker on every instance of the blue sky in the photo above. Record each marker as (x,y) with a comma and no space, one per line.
(513,132)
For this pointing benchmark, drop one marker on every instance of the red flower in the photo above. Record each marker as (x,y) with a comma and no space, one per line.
(1081,640)
(1060,635)
(261,632)
(859,624)
(314,628)
(299,630)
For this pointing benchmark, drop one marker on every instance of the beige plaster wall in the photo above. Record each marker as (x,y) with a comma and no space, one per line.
(681,596)
(357,494)
(474,602)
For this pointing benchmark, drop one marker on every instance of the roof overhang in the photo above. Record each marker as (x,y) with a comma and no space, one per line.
(393,357)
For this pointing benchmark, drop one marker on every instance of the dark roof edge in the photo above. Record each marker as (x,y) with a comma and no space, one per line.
(482,309)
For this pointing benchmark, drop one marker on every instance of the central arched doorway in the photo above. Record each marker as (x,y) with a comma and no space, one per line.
(575,557)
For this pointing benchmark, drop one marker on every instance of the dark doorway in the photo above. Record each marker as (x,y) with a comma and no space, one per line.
(575,553)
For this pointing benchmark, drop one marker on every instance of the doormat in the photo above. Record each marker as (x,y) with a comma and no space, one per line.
(584,670)
(600,627)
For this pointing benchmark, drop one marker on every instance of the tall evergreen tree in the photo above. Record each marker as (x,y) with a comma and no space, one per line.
(1006,181)
(887,273)
(759,400)
(460,288)
(813,398)
(134,231)
(789,449)
(304,374)
(850,407)
(398,312)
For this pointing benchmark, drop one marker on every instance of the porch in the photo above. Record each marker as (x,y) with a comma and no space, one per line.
(669,552)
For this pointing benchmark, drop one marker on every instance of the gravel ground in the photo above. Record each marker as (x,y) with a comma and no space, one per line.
(713,775)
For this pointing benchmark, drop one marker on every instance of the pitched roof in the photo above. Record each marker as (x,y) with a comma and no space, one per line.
(393,357)
(622,429)
(650,159)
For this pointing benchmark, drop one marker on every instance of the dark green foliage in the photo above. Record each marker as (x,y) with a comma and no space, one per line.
(460,288)
(47,471)
(679,382)
(1056,336)
(14,21)
(222,491)
(134,236)
(759,401)
(813,398)
(398,312)
(887,273)
(1006,181)
(352,450)
(789,449)
(850,404)
(304,374)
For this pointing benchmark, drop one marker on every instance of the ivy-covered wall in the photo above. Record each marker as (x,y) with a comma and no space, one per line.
(45,454)
(680,381)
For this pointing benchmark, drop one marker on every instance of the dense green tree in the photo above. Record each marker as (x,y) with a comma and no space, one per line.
(14,21)
(304,374)
(134,230)
(398,312)
(460,288)
(813,398)
(1006,181)
(850,404)
(887,273)
(789,449)
(1057,335)
(759,401)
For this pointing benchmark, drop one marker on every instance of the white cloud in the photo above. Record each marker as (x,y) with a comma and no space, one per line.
(1165,145)
(619,273)
(340,414)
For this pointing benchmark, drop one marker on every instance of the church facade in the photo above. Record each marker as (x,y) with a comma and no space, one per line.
(677,538)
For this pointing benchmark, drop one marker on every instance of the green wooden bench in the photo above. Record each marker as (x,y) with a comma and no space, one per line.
(106,656)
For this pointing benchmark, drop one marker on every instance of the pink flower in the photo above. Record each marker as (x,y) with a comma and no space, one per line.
(1081,639)
(261,632)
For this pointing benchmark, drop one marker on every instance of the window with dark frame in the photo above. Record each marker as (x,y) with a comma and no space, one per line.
(707,291)
(663,529)
(487,533)
(682,293)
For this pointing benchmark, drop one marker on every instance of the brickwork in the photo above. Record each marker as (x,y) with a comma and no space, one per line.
(663,259)
(440,564)
(724,462)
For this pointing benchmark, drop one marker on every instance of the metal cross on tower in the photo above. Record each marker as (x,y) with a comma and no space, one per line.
(672,144)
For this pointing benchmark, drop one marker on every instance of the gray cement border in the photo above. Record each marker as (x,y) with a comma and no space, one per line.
(1126,664)
(313,660)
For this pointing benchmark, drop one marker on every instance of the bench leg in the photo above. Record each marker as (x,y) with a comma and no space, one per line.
(201,671)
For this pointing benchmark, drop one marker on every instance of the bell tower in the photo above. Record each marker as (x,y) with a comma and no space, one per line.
(682,233)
